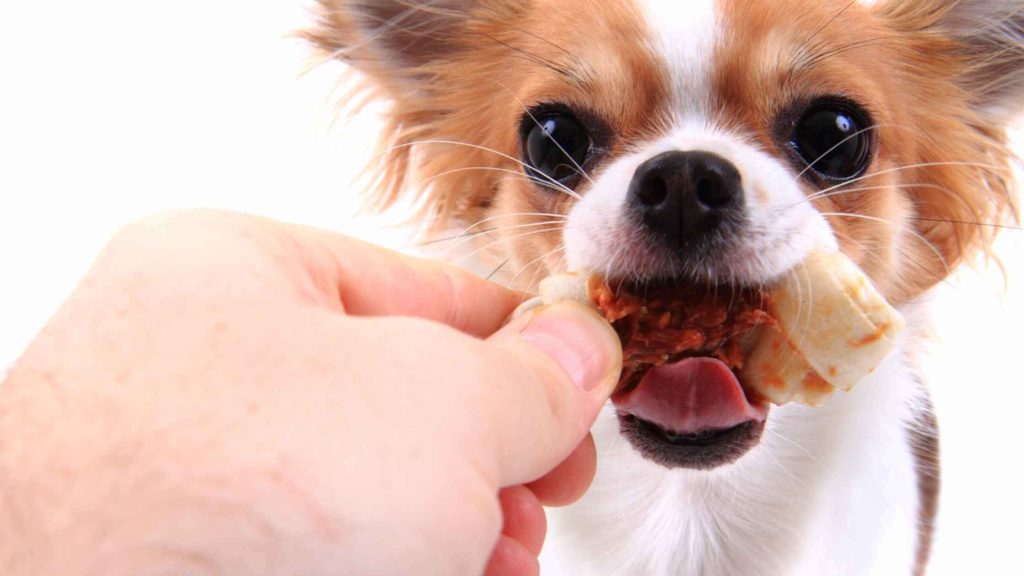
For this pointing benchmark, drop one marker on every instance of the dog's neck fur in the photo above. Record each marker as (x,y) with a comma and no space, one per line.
(832,490)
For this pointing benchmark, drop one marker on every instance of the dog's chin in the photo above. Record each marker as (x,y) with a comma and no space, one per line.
(706,450)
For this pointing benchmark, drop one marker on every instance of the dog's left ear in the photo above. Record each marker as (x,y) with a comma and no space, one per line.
(991,33)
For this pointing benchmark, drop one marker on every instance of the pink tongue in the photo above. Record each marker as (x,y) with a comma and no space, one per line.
(691,396)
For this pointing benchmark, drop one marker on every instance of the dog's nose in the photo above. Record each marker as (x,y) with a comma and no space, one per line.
(683,196)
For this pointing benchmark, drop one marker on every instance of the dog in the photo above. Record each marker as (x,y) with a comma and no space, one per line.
(715,142)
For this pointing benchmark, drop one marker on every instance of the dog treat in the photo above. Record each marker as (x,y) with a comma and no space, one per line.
(834,329)
(822,327)
(664,324)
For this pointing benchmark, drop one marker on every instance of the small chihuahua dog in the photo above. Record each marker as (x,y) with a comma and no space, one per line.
(715,142)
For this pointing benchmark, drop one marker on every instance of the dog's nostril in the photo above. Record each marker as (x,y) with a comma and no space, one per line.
(653,192)
(711,191)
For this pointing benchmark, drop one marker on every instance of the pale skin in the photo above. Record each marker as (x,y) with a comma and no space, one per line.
(230,395)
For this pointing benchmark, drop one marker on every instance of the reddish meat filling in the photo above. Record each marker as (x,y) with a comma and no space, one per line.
(668,323)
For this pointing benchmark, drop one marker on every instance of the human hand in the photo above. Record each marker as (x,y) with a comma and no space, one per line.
(226,394)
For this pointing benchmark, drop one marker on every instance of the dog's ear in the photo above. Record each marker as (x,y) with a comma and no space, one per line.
(988,40)
(962,62)
(992,32)
(418,55)
(391,40)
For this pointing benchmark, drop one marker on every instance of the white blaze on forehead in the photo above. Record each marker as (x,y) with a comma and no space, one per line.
(604,233)
(684,33)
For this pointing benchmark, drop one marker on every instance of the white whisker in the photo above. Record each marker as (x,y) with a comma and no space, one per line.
(910,167)
(538,261)
(553,228)
(484,149)
(920,237)
(466,232)
(468,238)
(557,186)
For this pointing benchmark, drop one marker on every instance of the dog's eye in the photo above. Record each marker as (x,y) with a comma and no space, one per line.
(556,146)
(834,139)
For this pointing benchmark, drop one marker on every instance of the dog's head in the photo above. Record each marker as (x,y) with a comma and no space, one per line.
(707,141)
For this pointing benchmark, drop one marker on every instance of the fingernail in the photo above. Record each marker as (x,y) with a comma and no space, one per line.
(583,344)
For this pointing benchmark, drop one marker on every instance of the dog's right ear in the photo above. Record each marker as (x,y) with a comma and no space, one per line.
(392,41)
(418,54)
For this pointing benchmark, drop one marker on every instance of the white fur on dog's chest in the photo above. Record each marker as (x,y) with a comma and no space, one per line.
(830,490)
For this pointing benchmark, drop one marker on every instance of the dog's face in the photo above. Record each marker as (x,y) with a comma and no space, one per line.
(710,141)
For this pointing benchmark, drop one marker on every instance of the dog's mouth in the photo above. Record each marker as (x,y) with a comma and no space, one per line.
(680,401)
(692,413)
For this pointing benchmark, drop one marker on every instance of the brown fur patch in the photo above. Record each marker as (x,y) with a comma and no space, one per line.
(924,439)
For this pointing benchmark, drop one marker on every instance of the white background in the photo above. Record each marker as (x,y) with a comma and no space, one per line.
(112,109)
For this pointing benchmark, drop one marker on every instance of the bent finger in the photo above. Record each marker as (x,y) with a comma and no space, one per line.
(570,479)
(523,517)
(511,558)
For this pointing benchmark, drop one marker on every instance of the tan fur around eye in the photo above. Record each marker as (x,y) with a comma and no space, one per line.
(940,185)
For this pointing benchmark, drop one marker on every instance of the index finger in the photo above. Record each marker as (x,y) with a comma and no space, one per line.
(374,281)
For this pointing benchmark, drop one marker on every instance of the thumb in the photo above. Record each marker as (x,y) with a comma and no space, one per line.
(560,364)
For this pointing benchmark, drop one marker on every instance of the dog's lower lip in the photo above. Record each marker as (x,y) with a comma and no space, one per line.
(703,451)
(699,439)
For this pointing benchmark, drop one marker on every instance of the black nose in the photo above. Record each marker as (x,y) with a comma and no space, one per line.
(683,196)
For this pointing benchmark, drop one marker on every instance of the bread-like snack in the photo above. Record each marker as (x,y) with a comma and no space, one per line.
(834,329)
(566,287)
(823,327)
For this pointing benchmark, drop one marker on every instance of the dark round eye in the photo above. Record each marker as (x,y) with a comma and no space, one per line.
(833,138)
(556,146)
